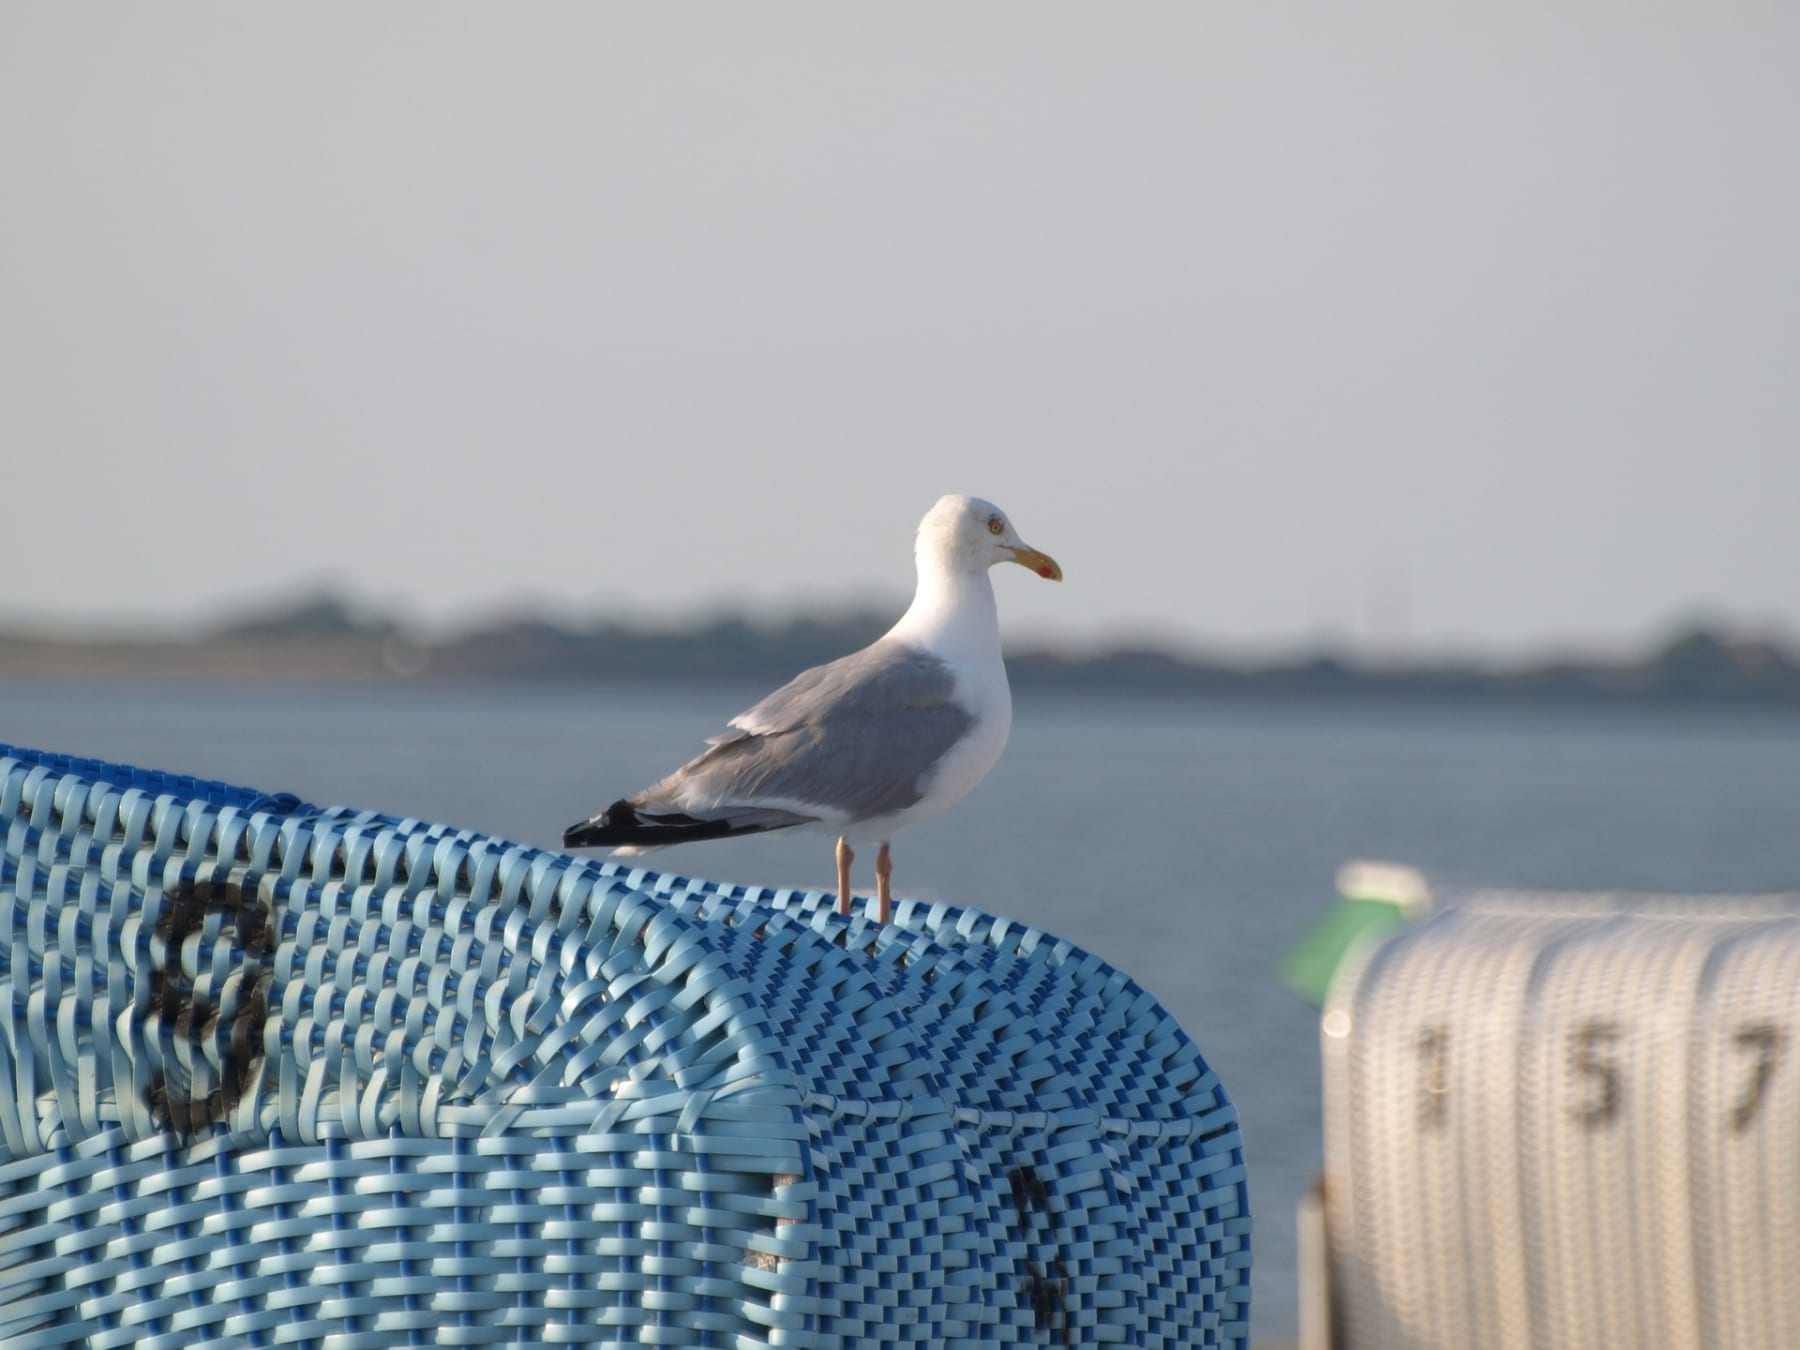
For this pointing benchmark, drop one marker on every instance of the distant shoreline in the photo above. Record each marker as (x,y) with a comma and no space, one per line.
(326,639)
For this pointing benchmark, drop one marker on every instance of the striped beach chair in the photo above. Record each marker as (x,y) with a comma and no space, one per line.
(1567,1121)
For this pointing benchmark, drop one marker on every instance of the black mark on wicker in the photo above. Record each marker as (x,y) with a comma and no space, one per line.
(1049,1309)
(1588,1059)
(187,1093)
(1764,1040)
(1434,1077)
(1046,1288)
(1028,1193)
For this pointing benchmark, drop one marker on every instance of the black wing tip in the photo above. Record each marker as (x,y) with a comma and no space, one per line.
(621,824)
(611,826)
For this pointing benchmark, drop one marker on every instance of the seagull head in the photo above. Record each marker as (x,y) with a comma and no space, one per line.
(967,534)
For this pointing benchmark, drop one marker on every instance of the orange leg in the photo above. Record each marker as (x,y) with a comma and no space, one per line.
(844,858)
(884,896)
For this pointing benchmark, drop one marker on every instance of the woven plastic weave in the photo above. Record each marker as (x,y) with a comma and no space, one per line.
(279,1075)
(1569,1122)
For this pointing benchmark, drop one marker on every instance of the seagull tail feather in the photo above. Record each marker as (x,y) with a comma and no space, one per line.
(623,825)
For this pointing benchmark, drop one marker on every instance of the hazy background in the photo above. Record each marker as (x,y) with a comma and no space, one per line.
(1407,327)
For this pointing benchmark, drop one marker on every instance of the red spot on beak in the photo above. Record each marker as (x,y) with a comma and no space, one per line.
(1047,574)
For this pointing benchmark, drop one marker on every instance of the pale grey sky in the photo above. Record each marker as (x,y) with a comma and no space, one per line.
(1400,323)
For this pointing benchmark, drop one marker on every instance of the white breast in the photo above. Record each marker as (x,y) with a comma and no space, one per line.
(953,618)
(969,760)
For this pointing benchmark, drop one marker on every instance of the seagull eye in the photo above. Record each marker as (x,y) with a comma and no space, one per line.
(995,526)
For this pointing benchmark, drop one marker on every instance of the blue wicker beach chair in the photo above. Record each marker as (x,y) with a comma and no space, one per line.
(279,1075)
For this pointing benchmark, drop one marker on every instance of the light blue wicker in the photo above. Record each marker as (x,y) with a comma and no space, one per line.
(279,1075)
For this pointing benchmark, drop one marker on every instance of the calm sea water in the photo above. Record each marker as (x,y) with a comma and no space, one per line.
(1186,842)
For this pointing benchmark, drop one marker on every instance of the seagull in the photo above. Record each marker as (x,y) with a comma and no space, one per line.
(865,745)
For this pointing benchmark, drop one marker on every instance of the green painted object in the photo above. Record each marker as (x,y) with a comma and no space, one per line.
(1374,899)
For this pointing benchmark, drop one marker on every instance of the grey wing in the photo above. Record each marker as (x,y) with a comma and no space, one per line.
(855,738)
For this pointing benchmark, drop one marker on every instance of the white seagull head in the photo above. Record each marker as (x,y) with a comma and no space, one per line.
(969,535)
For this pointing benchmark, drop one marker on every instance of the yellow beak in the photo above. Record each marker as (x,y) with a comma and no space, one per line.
(1041,563)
